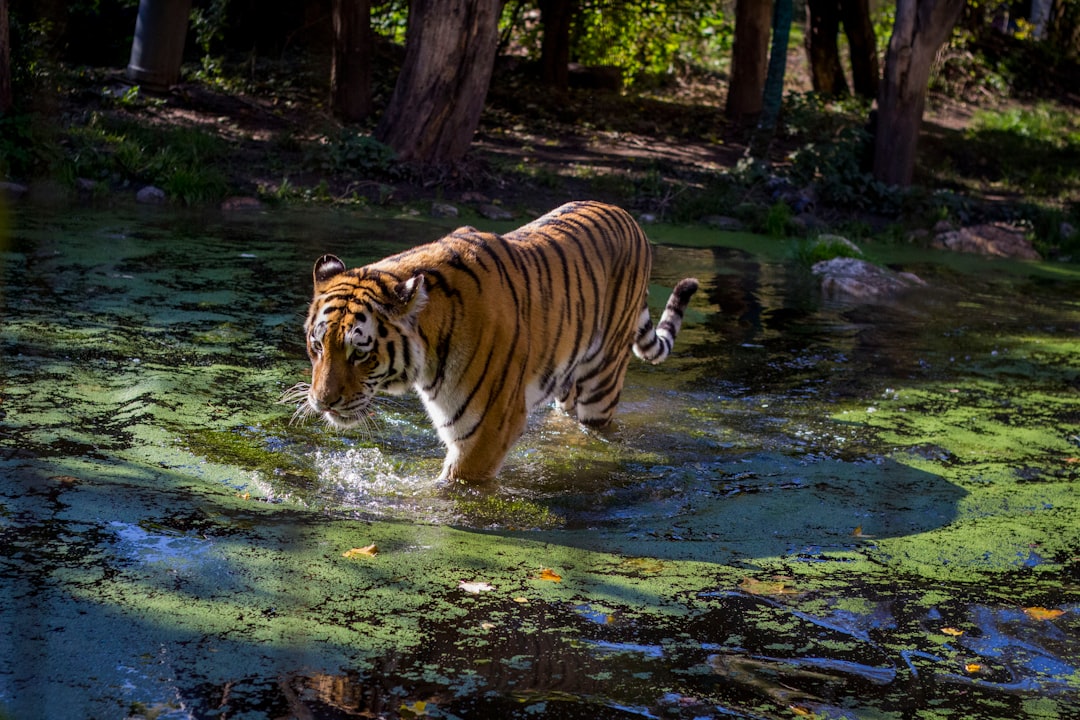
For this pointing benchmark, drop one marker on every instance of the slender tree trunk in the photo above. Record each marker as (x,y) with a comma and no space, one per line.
(823,27)
(773,95)
(865,73)
(449,55)
(920,29)
(749,60)
(6,98)
(556,16)
(350,68)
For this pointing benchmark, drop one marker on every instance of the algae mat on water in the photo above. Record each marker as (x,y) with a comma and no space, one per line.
(813,509)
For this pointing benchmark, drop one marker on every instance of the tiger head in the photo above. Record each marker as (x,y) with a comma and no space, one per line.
(361,338)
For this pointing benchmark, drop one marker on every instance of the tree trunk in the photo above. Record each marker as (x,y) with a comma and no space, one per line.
(449,55)
(556,16)
(350,68)
(921,27)
(6,98)
(773,94)
(865,73)
(749,60)
(826,71)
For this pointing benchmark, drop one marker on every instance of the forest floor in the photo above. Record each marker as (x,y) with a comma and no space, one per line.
(661,151)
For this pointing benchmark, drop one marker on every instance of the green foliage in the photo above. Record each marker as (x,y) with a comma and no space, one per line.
(778,219)
(355,153)
(182,161)
(27,145)
(208,25)
(1035,150)
(652,38)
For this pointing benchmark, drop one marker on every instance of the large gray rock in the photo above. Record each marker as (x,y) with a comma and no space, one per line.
(995,239)
(859,279)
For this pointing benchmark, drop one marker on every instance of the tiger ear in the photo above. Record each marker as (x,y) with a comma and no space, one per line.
(412,294)
(327,267)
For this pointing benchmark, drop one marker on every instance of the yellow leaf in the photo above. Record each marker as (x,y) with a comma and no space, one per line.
(973,667)
(521,600)
(1041,613)
(859,533)
(369,551)
(418,708)
(952,631)
(800,710)
(550,575)
(766,587)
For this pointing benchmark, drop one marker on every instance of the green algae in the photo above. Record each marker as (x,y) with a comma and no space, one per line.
(789,513)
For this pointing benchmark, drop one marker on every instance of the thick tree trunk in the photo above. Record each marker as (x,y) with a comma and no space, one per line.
(350,68)
(865,73)
(6,98)
(823,27)
(449,54)
(921,27)
(556,17)
(749,60)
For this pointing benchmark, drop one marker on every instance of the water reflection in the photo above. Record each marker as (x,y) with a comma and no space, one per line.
(815,507)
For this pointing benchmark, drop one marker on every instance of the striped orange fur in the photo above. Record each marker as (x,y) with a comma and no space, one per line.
(486,327)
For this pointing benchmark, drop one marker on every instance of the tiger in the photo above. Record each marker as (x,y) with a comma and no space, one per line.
(487,327)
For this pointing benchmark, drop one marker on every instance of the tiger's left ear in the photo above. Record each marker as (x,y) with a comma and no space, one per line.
(327,267)
(412,294)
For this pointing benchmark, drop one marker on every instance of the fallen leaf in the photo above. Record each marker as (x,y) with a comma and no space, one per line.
(859,533)
(550,575)
(522,600)
(973,667)
(475,587)
(766,587)
(800,710)
(952,631)
(487,625)
(1041,613)
(368,551)
(418,708)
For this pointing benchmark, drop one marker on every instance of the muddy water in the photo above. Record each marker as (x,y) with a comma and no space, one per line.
(813,508)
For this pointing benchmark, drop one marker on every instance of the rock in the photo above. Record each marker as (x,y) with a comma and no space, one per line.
(806,222)
(855,278)
(1066,230)
(494,212)
(723,222)
(470,196)
(150,195)
(995,239)
(647,218)
(12,190)
(443,210)
(240,203)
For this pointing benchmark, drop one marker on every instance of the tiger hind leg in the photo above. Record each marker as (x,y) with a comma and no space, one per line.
(597,392)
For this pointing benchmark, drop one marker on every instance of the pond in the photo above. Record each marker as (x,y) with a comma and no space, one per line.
(814,508)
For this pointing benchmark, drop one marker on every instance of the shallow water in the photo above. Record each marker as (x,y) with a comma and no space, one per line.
(814,507)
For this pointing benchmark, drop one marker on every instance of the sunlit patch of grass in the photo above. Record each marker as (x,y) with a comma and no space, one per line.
(1031,150)
(182,161)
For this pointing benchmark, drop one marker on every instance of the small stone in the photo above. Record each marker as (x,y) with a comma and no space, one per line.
(240,203)
(150,195)
(443,210)
(12,190)
(723,222)
(494,212)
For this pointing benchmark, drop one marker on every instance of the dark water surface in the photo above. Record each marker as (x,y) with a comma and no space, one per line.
(814,508)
